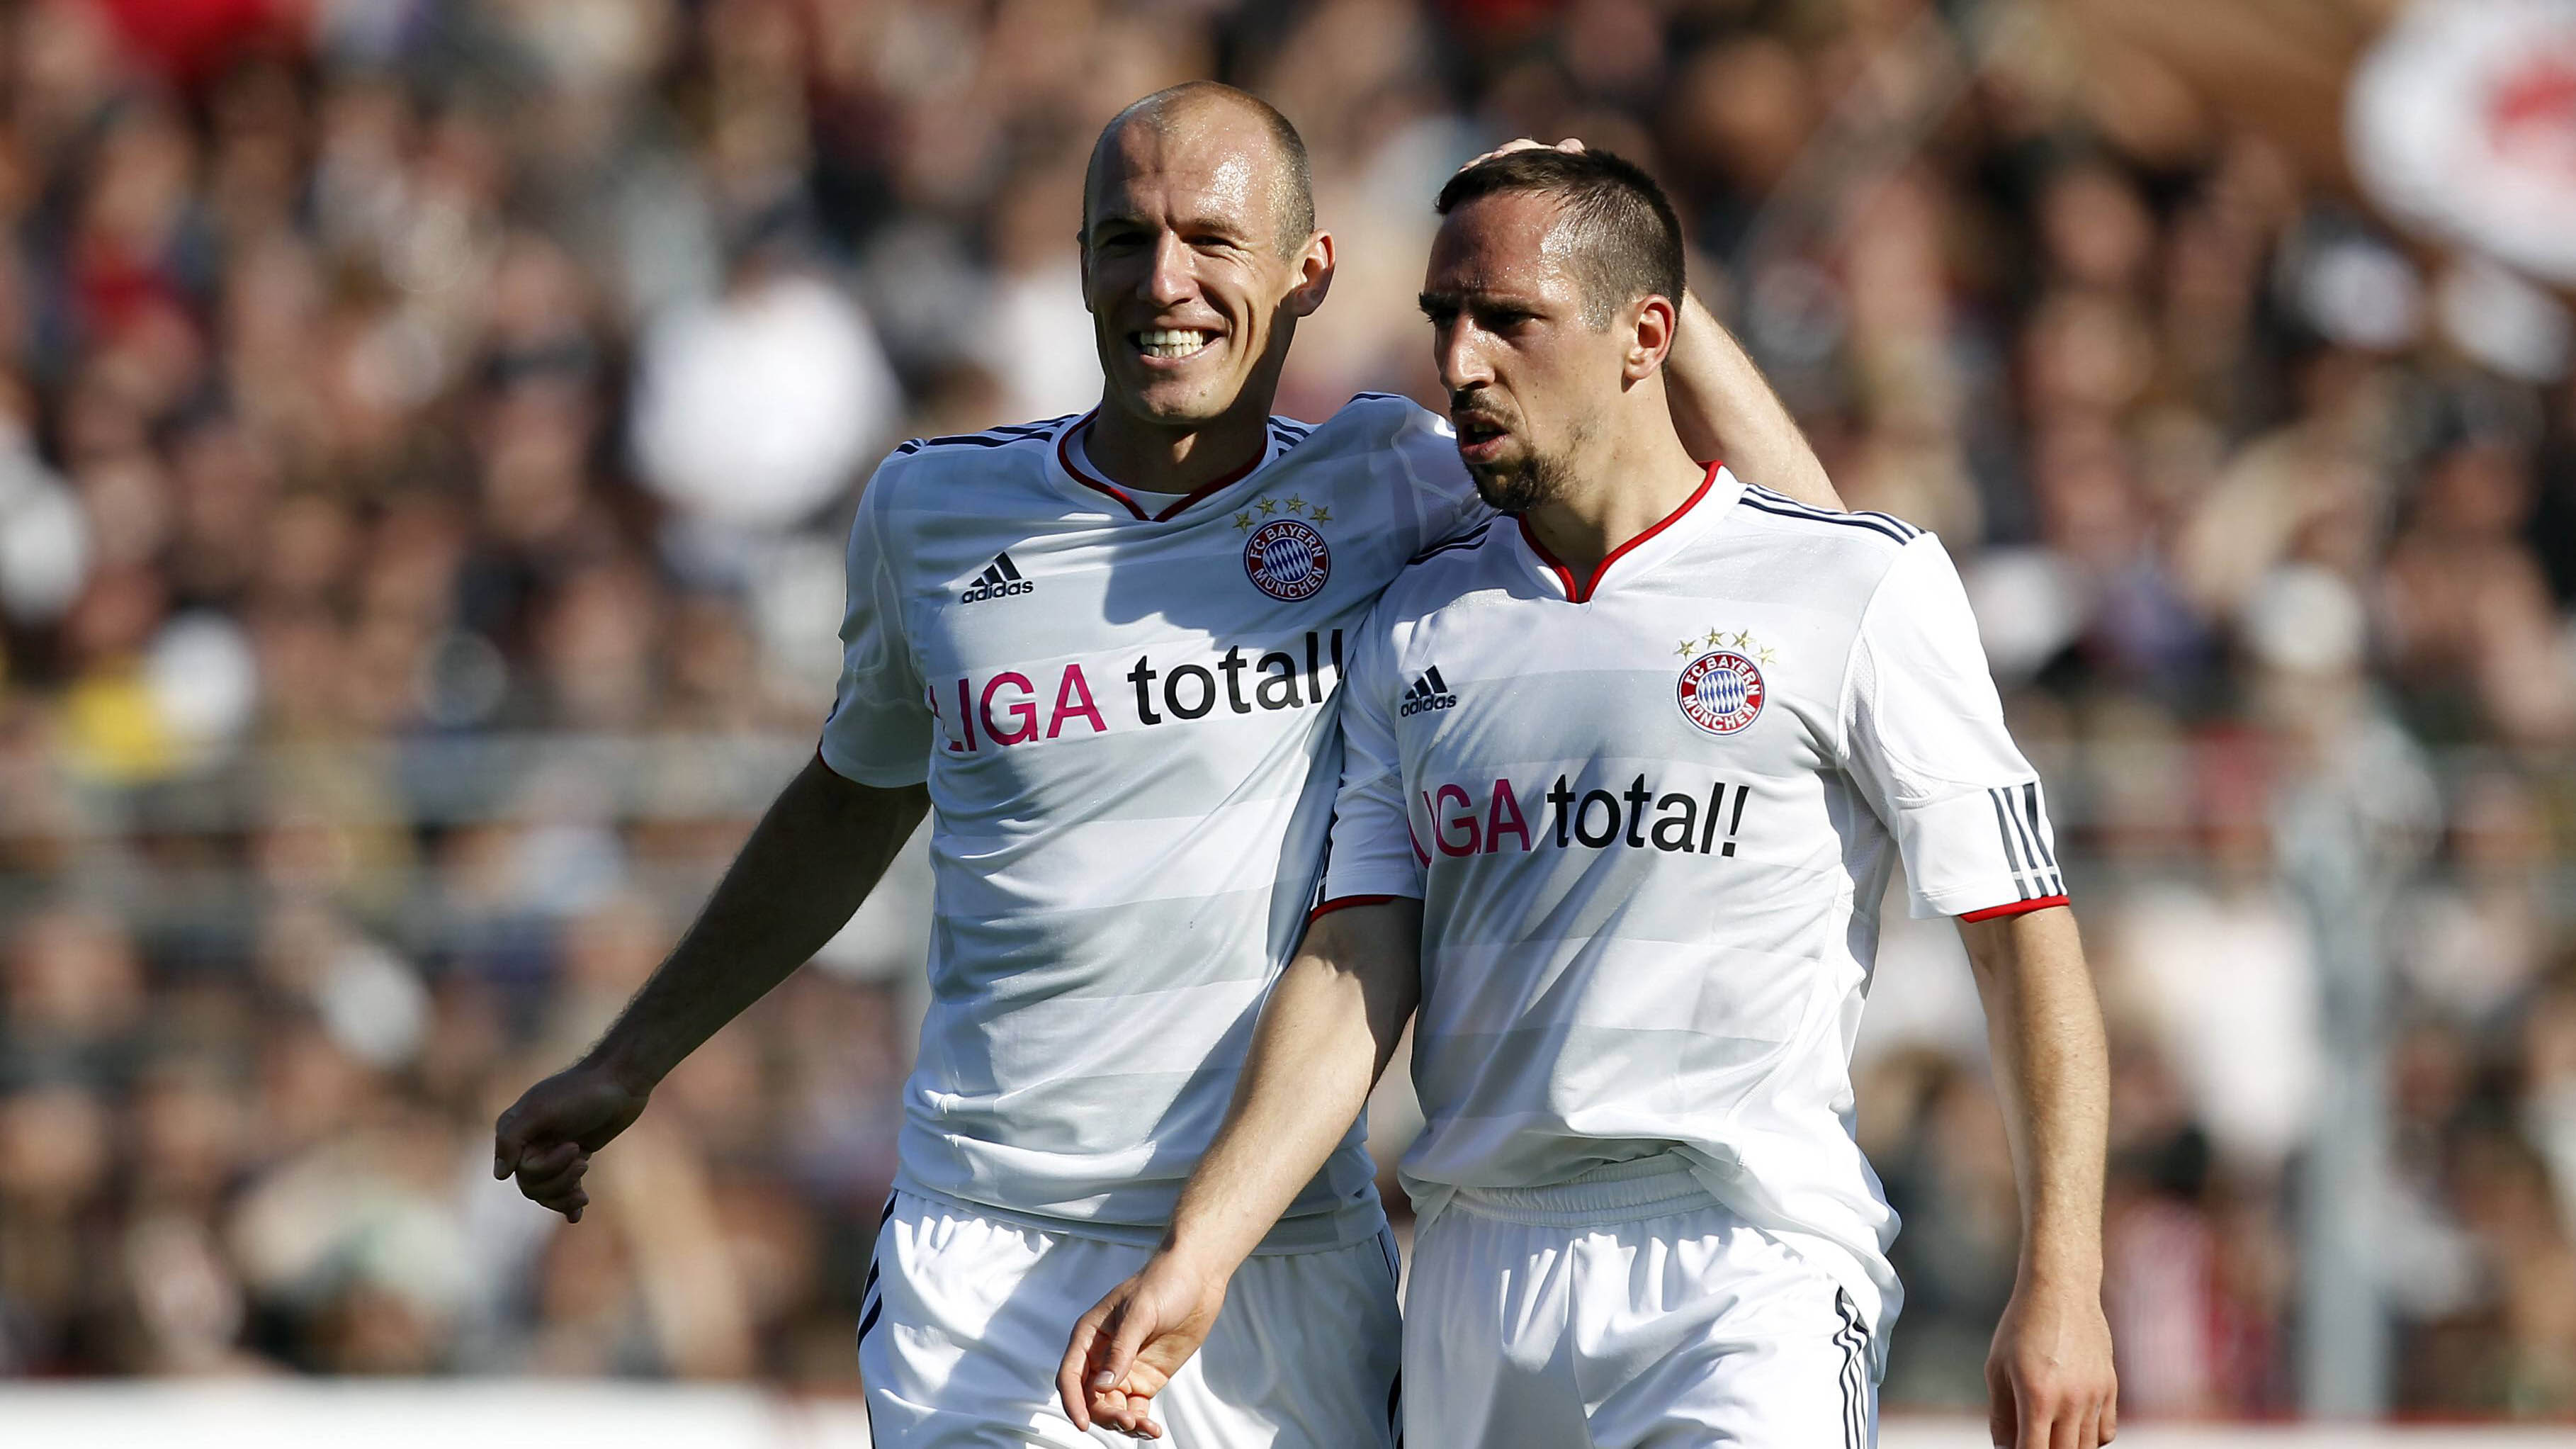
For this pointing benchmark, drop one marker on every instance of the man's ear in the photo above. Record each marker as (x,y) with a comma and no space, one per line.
(1082,253)
(1314,275)
(1650,336)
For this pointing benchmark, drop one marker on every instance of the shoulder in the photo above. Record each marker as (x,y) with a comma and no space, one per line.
(919,470)
(1881,533)
(1382,413)
(1288,432)
(1444,573)
(1003,446)
(1828,556)
(1378,422)
(1830,563)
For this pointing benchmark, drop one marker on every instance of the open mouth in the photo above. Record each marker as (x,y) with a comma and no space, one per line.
(1479,437)
(1170,344)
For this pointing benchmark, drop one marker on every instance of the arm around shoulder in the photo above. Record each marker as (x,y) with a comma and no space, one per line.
(1725,409)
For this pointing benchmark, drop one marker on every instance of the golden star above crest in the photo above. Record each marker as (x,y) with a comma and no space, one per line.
(1243,520)
(1296,505)
(1687,648)
(1321,514)
(1741,639)
(1269,506)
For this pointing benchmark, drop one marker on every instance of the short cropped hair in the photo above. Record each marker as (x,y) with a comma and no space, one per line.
(1294,188)
(1627,238)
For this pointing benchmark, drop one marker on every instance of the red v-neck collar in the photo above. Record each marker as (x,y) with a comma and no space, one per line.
(1074,471)
(1582,593)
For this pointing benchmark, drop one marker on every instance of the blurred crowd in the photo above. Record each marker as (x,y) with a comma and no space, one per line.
(425,435)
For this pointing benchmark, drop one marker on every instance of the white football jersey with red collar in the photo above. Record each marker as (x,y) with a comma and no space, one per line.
(1123,712)
(1651,816)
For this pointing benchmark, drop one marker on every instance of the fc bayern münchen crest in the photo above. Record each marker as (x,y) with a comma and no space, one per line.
(1287,560)
(1721,691)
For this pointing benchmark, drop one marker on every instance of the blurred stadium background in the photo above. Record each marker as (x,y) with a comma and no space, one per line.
(426,432)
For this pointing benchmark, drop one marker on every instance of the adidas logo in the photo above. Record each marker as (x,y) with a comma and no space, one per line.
(1427,693)
(1000,579)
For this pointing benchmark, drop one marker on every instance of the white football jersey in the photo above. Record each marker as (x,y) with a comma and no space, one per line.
(1650,818)
(1121,712)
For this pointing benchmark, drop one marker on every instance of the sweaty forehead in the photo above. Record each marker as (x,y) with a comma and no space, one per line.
(1197,167)
(1508,242)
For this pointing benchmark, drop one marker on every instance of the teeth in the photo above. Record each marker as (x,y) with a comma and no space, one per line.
(1171,341)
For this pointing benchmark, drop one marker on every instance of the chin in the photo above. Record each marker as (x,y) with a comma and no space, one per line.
(1513,487)
(1171,402)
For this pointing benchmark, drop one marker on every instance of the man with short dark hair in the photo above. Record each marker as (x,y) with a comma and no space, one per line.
(1619,233)
(1107,647)
(1624,780)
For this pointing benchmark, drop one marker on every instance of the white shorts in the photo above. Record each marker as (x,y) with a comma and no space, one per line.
(965,1318)
(1626,1311)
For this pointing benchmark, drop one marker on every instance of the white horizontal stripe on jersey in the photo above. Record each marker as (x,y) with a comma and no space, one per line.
(1051,1046)
(1660,986)
(1108,952)
(1232,847)
(1613,1084)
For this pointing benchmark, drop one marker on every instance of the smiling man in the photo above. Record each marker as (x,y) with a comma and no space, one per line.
(1106,650)
(1625,778)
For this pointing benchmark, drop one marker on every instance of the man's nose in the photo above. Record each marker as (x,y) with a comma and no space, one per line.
(1172,278)
(1461,357)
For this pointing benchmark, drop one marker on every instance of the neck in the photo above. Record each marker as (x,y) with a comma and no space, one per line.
(1628,482)
(1136,453)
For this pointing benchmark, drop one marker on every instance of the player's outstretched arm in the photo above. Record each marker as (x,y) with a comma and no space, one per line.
(2049,1378)
(807,866)
(1724,407)
(1329,1028)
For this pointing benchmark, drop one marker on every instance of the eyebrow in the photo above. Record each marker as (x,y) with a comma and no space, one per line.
(1464,298)
(1230,228)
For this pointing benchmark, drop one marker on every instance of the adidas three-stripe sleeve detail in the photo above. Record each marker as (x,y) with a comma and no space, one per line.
(1925,742)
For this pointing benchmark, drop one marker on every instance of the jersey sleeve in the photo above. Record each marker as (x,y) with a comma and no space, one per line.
(879,732)
(1445,496)
(1371,856)
(1924,739)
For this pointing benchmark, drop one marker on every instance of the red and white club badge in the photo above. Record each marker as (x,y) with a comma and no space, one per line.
(1287,560)
(1721,691)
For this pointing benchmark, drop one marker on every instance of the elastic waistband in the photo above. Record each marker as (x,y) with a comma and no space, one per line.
(1623,1192)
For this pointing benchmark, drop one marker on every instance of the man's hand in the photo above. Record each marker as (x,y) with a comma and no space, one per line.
(547,1136)
(2049,1377)
(1131,1343)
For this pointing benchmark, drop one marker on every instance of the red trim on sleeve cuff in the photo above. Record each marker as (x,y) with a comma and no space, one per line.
(1326,908)
(2015,909)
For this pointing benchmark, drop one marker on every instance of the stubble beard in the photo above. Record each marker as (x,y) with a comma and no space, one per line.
(1520,486)
(1535,479)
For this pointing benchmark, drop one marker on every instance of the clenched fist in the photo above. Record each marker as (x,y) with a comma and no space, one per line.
(547,1136)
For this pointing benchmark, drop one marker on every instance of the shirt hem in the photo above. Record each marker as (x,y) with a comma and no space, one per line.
(1338,903)
(2013,908)
(888,778)
(1339,1228)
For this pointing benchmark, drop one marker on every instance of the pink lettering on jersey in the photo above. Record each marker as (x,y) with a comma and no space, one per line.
(1024,711)
(1068,689)
(1503,818)
(1440,827)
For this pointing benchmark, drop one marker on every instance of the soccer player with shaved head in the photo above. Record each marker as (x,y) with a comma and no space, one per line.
(1625,777)
(1105,652)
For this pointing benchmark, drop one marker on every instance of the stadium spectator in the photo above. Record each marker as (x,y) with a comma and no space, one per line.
(397,627)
